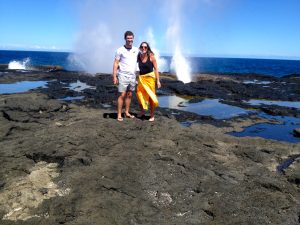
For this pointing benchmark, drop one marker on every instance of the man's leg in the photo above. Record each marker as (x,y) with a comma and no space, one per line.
(120,103)
(127,102)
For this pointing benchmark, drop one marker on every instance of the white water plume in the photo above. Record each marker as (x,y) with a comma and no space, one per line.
(179,62)
(181,66)
(19,65)
(103,25)
(94,50)
(101,33)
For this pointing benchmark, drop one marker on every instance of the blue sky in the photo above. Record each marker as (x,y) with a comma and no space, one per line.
(232,28)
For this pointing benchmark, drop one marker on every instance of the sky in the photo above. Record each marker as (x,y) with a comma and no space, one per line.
(216,28)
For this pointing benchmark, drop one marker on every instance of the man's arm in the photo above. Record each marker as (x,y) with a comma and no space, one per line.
(115,68)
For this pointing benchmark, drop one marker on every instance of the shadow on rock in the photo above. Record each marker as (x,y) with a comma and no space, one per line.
(114,116)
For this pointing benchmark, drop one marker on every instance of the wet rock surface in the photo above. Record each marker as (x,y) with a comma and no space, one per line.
(135,172)
(234,89)
(296,132)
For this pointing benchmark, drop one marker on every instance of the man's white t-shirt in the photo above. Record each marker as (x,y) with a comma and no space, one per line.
(127,60)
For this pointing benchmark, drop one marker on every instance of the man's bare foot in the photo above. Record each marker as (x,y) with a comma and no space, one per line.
(129,116)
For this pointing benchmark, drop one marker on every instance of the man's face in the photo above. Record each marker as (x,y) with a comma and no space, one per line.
(129,40)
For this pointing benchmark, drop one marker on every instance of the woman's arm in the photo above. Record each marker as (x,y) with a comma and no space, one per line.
(153,60)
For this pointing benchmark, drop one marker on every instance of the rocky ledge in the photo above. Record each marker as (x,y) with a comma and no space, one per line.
(65,163)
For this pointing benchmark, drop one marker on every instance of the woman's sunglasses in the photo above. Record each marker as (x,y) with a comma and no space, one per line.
(144,47)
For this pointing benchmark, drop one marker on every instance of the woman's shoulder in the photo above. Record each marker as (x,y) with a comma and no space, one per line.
(152,56)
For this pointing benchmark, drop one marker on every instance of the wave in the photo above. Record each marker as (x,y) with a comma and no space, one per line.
(19,65)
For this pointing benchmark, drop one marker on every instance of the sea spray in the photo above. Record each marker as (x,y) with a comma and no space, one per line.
(94,50)
(75,62)
(179,63)
(19,65)
(161,62)
(181,66)
(100,34)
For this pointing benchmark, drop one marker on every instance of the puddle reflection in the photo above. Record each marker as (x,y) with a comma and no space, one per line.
(79,86)
(279,103)
(279,132)
(207,107)
(72,98)
(256,82)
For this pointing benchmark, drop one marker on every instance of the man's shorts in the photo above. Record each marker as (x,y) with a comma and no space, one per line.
(126,83)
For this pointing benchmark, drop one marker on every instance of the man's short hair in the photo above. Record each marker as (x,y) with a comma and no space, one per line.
(128,33)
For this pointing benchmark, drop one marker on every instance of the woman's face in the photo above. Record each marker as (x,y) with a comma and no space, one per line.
(144,48)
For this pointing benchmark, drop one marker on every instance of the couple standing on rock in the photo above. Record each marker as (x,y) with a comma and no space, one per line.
(124,73)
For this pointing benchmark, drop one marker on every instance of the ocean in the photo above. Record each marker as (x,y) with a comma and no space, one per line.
(25,59)
(270,67)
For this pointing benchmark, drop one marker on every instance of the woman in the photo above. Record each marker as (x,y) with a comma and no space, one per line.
(146,82)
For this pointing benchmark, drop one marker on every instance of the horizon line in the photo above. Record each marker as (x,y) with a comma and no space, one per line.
(233,56)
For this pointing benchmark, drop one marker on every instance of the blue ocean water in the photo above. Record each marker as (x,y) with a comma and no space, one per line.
(36,58)
(271,67)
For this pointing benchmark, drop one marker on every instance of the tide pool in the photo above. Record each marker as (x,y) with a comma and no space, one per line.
(22,86)
(207,107)
(279,132)
(279,103)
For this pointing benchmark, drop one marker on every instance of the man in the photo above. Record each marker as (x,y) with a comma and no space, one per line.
(125,65)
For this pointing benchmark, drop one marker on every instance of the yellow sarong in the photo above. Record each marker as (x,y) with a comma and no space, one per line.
(146,90)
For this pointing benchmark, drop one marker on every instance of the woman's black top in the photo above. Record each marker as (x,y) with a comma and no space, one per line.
(146,67)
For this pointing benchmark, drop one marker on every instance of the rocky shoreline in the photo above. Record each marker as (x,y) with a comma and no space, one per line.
(72,163)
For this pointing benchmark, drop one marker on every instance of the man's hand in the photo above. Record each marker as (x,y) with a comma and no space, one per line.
(114,73)
(115,80)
